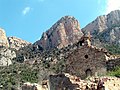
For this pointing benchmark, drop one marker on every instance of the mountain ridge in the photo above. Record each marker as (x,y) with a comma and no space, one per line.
(64,32)
(26,62)
(105,28)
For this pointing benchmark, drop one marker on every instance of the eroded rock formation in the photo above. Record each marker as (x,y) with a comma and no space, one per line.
(106,28)
(66,31)
(17,43)
(3,39)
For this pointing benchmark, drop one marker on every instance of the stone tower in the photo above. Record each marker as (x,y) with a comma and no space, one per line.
(85,40)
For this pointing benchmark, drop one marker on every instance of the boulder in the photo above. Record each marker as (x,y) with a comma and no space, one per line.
(6,56)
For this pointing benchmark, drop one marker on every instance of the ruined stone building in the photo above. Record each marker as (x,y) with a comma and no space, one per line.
(87,60)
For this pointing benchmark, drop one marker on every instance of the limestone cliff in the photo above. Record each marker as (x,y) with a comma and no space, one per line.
(106,28)
(66,31)
(3,39)
(17,43)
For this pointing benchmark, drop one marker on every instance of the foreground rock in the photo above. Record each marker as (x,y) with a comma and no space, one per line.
(71,82)
(17,43)
(105,29)
(66,31)
(3,39)
(6,55)
(34,86)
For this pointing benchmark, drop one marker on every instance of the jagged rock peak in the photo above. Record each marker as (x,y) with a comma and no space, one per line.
(3,39)
(105,28)
(66,31)
(17,43)
(103,22)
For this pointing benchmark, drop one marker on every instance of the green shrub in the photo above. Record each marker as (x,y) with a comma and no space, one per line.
(113,49)
(12,76)
(115,72)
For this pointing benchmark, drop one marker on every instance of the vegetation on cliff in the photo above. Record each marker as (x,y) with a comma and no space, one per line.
(115,72)
(13,76)
(113,49)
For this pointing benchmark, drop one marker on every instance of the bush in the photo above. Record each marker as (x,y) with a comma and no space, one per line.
(16,74)
(115,72)
(113,49)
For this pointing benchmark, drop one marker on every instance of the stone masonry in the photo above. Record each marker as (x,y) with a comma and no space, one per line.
(86,60)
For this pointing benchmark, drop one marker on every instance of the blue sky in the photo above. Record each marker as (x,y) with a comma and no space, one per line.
(28,19)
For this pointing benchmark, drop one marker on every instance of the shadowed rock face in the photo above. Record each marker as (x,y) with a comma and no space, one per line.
(3,39)
(66,31)
(105,28)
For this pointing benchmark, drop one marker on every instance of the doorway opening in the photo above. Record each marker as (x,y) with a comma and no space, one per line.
(88,73)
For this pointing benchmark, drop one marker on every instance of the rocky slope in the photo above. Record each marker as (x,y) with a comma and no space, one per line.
(3,39)
(6,53)
(17,43)
(35,63)
(6,56)
(66,31)
(106,28)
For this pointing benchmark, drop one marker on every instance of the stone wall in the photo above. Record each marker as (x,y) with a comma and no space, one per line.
(60,82)
(86,61)
(72,82)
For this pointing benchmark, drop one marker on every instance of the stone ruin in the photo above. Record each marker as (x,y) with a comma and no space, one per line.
(71,82)
(82,60)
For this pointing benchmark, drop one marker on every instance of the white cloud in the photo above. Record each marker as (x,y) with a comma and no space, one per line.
(26,10)
(112,5)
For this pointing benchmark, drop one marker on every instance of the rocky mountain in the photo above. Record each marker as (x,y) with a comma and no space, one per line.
(17,43)
(3,39)
(12,42)
(31,63)
(105,29)
(66,31)
(6,53)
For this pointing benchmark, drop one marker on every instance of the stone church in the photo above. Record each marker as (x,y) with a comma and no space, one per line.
(87,60)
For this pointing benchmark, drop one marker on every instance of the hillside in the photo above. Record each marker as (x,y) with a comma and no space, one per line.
(64,48)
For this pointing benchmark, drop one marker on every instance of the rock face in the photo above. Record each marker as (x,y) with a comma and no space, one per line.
(106,28)
(17,43)
(6,55)
(66,31)
(3,39)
